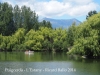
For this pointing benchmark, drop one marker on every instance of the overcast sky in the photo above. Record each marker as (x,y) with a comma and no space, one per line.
(59,9)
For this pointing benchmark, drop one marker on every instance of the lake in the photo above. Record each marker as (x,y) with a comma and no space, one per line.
(45,63)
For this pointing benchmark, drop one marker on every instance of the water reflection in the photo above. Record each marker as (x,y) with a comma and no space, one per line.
(17,60)
(42,56)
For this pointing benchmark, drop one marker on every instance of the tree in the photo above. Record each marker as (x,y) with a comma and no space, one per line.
(11,19)
(17,17)
(45,23)
(29,18)
(88,38)
(6,19)
(59,39)
(71,34)
(91,13)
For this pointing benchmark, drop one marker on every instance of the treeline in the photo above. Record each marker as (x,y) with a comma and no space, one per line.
(43,39)
(20,30)
(13,18)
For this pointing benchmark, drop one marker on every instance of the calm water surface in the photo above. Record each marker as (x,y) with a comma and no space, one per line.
(18,63)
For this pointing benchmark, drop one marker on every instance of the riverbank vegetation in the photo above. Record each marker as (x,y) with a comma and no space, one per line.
(42,39)
(87,37)
(21,30)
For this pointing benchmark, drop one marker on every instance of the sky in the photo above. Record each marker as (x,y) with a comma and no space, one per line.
(59,9)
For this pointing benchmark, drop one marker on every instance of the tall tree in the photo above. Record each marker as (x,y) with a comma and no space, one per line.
(17,17)
(29,18)
(6,19)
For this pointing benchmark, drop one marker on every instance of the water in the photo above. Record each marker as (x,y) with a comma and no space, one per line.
(18,63)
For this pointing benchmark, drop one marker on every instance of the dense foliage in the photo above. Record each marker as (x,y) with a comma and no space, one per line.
(13,18)
(42,39)
(87,37)
(21,30)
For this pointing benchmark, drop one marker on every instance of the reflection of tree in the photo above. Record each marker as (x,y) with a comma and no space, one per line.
(5,55)
(87,67)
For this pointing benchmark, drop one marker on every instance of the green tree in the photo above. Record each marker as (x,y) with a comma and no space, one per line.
(91,13)
(29,18)
(71,34)
(60,41)
(6,19)
(45,23)
(88,38)
(17,17)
